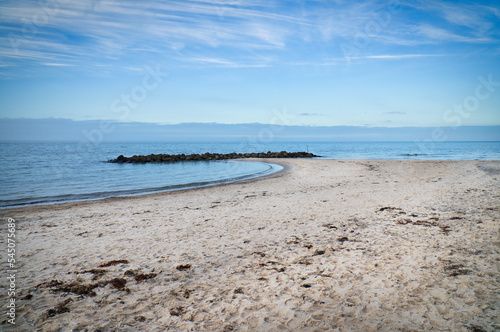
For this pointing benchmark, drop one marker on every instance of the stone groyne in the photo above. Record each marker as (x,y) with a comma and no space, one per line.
(172,158)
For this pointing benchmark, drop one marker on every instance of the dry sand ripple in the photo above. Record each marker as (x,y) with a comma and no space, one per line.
(332,245)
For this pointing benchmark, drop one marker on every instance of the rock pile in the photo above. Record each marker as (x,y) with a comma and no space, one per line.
(172,158)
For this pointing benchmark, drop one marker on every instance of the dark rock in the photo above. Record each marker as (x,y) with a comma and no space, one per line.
(121,159)
(166,158)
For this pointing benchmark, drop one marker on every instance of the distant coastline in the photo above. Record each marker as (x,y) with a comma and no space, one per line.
(99,131)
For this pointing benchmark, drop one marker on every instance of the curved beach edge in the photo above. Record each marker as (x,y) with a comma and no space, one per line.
(286,167)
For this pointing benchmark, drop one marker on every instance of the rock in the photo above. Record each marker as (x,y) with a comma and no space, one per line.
(121,159)
(166,158)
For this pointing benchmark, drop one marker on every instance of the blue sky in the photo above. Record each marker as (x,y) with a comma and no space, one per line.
(319,63)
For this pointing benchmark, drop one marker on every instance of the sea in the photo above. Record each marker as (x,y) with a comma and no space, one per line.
(53,172)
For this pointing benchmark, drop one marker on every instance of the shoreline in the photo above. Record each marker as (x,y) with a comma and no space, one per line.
(324,244)
(77,202)
(283,163)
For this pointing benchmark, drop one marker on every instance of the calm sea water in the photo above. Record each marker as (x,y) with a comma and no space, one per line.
(42,172)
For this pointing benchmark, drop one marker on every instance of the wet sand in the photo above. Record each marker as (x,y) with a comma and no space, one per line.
(337,245)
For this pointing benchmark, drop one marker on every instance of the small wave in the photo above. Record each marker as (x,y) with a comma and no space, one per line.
(413,154)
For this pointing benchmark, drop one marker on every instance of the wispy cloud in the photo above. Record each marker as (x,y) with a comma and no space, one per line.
(116,28)
(339,61)
(472,15)
(438,34)
(121,33)
(395,56)
(463,22)
(53,64)
(226,63)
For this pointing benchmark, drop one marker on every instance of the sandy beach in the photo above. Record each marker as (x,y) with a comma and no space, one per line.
(326,245)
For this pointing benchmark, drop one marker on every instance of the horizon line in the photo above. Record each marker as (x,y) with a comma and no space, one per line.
(115,121)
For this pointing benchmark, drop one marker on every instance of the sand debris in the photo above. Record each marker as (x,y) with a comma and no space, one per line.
(114,262)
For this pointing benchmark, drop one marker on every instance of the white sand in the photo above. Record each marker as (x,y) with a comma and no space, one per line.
(327,245)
